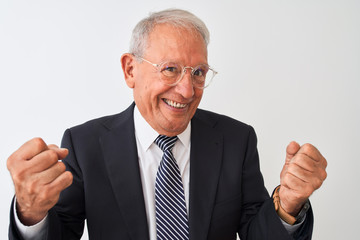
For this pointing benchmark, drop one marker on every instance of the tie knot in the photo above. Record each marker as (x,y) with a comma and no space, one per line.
(165,143)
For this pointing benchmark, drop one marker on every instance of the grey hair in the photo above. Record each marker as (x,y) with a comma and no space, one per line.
(175,17)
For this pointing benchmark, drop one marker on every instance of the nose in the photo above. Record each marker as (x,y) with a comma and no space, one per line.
(185,87)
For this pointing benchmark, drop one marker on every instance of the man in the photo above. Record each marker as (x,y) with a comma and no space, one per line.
(117,171)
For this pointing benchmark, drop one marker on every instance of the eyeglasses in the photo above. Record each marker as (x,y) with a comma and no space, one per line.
(171,73)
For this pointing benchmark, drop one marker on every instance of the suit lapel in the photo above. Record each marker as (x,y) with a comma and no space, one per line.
(124,174)
(205,164)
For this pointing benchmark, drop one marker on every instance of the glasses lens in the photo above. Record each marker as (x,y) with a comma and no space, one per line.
(170,72)
(202,76)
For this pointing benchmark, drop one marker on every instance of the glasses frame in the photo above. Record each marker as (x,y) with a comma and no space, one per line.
(183,71)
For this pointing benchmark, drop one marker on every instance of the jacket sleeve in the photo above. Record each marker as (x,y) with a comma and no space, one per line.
(259,219)
(67,217)
(14,233)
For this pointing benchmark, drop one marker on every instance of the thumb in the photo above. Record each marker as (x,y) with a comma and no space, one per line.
(291,150)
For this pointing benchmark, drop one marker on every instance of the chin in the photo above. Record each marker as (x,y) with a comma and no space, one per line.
(175,130)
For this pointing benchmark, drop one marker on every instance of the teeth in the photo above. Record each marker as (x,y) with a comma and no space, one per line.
(174,104)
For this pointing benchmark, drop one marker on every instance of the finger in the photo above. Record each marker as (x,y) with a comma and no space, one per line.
(31,148)
(315,168)
(299,172)
(294,183)
(50,174)
(42,161)
(299,178)
(62,152)
(305,162)
(53,146)
(26,152)
(311,151)
(61,182)
(305,169)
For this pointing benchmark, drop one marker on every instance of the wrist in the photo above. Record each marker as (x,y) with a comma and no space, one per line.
(28,218)
(293,217)
(37,231)
(293,211)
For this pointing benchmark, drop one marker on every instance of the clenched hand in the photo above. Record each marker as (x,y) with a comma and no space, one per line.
(39,177)
(303,173)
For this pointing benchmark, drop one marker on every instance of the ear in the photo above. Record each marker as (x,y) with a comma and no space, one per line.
(128,65)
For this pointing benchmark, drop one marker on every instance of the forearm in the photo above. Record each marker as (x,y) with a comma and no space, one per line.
(18,231)
(34,232)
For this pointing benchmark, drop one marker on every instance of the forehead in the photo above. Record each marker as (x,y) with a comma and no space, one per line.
(177,43)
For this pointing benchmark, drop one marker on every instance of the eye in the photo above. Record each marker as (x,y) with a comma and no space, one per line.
(170,69)
(201,71)
(198,73)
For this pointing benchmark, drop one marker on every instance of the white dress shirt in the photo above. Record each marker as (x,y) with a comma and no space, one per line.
(149,155)
(149,160)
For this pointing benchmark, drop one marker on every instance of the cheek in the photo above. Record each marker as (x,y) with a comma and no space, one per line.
(141,89)
(196,102)
(198,95)
(149,95)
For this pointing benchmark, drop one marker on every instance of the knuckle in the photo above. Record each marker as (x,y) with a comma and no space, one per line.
(46,199)
(308,190)
(44,194)
(287,177)
(302,157)
(292,167)
(317,184)
(323,175)
(67,179)
(38,142)
(325,163)
(61,166)
(52,155)
(32,187)
(9,163)
(50,195)
(307,147)
(53,146)
(19,176)
(70,177)
(282,180)
(298,158)
(314,165)
(12,160)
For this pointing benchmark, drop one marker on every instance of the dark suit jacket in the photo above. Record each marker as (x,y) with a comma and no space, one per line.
(227,193)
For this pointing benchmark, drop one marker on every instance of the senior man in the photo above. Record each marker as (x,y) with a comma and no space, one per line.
(161,169)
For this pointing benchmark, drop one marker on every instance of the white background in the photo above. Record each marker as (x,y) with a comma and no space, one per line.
(290,68)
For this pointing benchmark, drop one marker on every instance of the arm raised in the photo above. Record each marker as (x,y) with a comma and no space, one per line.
(38,177)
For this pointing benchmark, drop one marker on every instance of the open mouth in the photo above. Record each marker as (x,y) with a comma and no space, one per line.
(174,104)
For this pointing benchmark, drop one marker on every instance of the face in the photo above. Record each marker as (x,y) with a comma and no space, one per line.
(168,109)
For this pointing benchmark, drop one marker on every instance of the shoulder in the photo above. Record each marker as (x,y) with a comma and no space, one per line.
(229,128)
(219,121)
(106,122)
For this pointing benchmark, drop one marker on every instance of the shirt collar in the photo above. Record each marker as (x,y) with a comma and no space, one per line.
(147,135)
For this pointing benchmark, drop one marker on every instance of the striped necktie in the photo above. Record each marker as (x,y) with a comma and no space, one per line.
(171,214)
